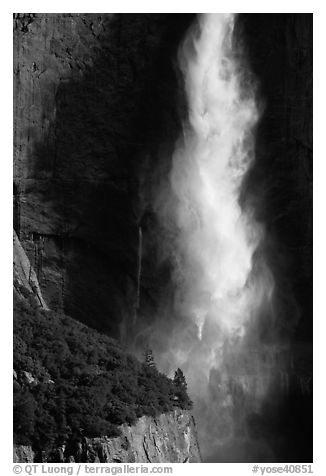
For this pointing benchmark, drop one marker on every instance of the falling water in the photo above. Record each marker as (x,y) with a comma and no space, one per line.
(221,282)
(138,280)
(139,265)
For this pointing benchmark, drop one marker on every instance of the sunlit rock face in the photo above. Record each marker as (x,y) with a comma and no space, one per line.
(25,278)
(168,438)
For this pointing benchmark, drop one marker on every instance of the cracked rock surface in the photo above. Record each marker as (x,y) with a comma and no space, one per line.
(168,438)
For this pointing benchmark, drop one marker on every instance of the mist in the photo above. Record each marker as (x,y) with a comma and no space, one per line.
(221,288)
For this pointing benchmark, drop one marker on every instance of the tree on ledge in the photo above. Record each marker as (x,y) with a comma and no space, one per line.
(180,388)
(149,358)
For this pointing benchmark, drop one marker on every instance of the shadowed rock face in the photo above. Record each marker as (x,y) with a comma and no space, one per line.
(95,100)
(169,438)
(96,105)
(279,47)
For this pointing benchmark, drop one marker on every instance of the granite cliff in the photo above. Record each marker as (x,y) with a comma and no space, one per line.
(166,437)
(169,438)
(95,99)
(97,104)
(25,279)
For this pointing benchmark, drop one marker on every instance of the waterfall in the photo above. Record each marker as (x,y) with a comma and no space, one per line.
(221,281)
(139,271)
(139,264)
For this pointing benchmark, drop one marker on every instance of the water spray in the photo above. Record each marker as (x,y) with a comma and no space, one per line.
(221,287)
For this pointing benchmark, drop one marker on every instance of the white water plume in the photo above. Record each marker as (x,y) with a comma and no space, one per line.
(221,288)
(216,239)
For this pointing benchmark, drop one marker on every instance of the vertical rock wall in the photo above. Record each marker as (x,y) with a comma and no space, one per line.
(94,96)
(280,50)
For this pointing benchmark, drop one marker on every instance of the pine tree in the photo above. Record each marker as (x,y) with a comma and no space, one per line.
(180,389)
(180,380)
(149,358)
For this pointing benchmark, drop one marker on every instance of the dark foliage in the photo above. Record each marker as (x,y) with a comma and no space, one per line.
(73,382)
(149,358)
(180,388)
